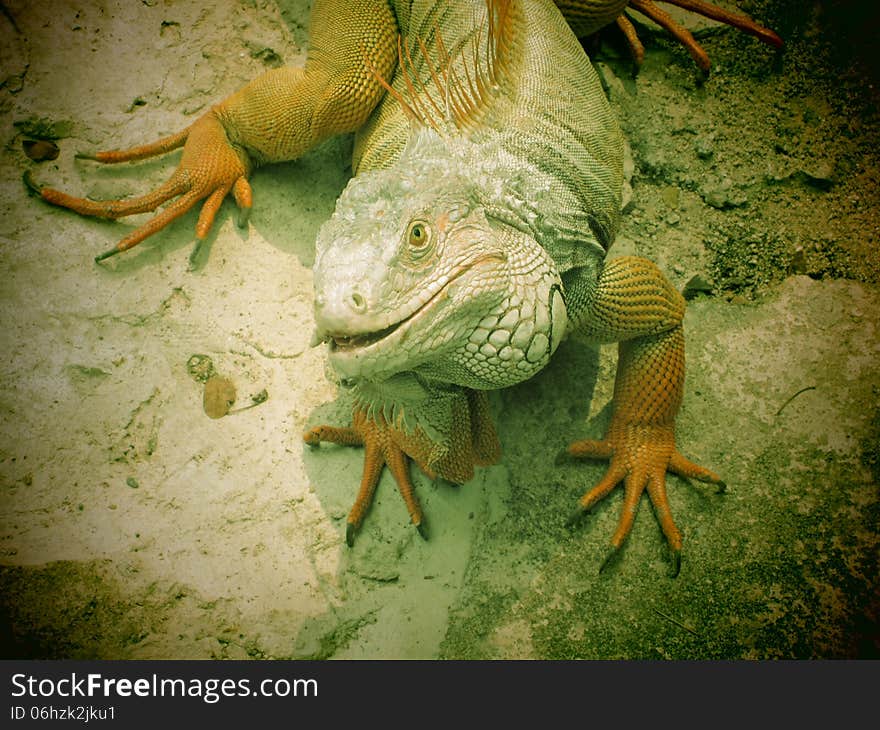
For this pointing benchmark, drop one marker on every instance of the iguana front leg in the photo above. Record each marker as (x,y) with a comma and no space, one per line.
(634,304)
(277,117)
(472,441)
(382,447)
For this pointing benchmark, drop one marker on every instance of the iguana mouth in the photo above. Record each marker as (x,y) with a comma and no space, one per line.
(349,343)
(352,342)
(343,343)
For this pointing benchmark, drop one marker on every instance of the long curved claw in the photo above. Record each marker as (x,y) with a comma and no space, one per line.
(589,449)
(657,493)
(373,464)
(106,255)
(154,225)
(370,479)
(118,208)
(196,254)
(562,457)
(610,554)
(422,529)
(28,180)
(675,564)
(379,451)
(113,209)
(684,467)
(141,152)
(678,464)
(396,461)
(472,441)
(613,476)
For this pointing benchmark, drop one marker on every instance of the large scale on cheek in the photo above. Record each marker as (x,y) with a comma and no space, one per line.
(517,339)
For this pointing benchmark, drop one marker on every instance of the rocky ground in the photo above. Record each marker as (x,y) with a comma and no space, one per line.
(133,524)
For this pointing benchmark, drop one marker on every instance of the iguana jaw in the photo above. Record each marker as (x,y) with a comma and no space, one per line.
(355,354)
(353,342)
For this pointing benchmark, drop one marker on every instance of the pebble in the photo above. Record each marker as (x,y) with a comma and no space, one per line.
(219,396)
(40,149)
(720,194)
(696,285)
(703,148)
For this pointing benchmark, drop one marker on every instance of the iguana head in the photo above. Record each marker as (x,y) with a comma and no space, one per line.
(418,272)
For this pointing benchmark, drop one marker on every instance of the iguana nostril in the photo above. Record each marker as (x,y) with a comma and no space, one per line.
(357,302)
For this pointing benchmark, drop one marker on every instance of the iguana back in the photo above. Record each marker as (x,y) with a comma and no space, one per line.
(547,116)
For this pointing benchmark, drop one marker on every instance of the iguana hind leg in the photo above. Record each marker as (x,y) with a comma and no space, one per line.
(634,304)
(588,16)
(650,9)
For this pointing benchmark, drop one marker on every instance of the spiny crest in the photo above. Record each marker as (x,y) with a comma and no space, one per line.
(464,81)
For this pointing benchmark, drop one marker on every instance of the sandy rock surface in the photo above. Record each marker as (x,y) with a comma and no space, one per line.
(157,500)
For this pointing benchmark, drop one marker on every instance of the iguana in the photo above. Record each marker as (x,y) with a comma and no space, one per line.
(471,239)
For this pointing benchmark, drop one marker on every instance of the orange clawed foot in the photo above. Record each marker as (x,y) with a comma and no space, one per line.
(209,168)
(651,10)
(640,456)
(471,442)
(382,447)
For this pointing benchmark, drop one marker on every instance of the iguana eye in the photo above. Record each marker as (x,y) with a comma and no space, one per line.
(419,235)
